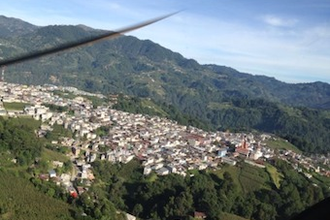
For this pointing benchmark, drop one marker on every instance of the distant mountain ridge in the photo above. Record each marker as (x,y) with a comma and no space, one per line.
(10,27)
(315,95)
(29,37)
(219,95)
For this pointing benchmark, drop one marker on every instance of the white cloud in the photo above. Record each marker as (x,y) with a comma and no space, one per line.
(274,52)
(278,21)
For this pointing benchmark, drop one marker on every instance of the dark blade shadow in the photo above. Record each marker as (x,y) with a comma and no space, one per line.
(85,41)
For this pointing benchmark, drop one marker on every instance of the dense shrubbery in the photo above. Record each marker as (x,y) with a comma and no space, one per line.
(19,138)
(174,195)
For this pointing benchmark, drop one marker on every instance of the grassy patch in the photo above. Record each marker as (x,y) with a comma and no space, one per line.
(58,132)
(5,159)
(152,177)
(275,175)
(14,106)
(50,155)
(20,200)
(229,216)
(234,172)
(33,124)
(193,172)
(282,144)
(320,180)
(28,121)
(248,178)
(253,178)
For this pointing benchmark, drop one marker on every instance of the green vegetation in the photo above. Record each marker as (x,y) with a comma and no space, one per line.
(275,175)
(26,121)
(282,144)
(320,180)
(247,177)
(19,200)
(205,96)
(253,178)
(14,106)
(309,131)
(245,190)
(57,132)
(138,105)
(145,106)
(152,177)
(234,172)
(23,195)
(102,131)
(55,108)
(242,190)
(96,101)
(18,137)
(229,216)
(50,155)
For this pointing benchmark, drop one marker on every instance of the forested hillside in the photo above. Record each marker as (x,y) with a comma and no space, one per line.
(219,96)
(216,193)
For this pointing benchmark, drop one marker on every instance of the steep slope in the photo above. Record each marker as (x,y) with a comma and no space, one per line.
(315,95)
(218,95)
(21,200)
(140,62)
(10,27)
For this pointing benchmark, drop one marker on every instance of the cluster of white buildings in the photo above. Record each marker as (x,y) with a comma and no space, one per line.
(163,145)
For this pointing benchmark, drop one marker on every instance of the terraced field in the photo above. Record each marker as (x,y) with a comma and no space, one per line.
(253,178)
(247,177)
(275,175)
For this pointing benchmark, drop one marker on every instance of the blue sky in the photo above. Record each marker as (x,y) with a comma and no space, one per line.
(288,40)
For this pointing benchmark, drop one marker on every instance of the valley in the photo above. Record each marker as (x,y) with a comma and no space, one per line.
(127,129)
(80,140)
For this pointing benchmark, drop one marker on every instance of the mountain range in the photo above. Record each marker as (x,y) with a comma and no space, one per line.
(220,96)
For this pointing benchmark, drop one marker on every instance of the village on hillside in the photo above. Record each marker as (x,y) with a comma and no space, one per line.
(162,145)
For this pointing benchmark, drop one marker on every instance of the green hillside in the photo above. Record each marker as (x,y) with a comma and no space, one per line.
(229,216)
(282,144)
(242,190)
(221,97)
(248,178)
(20,200)
(275,175)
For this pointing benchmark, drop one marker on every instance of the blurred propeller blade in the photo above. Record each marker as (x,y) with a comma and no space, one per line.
(86,41)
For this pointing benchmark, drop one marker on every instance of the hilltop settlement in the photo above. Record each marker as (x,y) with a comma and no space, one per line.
(162,145)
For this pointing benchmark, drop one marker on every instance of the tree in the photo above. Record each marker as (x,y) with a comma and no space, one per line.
(138,209)
(51,192)
(265,211)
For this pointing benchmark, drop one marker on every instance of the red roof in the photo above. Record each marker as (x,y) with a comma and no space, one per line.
(74,194)
(242,151)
